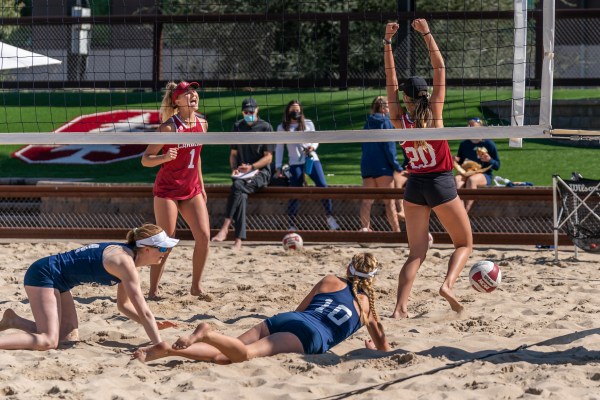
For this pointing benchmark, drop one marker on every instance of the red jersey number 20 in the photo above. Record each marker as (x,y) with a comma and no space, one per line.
(421,157)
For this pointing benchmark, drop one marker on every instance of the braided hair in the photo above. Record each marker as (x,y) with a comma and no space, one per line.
(363,263)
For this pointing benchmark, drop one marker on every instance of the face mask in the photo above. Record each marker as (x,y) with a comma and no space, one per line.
(295,115)
(249,118)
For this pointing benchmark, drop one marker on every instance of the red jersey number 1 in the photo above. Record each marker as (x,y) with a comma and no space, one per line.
(192,154)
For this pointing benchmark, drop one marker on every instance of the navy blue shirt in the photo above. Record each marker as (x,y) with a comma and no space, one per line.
(378,158)
(333,314)
(82,265)
(468,150)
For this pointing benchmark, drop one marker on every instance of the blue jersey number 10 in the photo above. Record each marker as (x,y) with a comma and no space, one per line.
(338,315)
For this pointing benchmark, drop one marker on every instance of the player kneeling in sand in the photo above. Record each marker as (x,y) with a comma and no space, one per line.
(48,284)
(333,310)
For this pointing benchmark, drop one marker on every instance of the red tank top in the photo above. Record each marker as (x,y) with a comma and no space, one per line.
(436,157)
(178,179)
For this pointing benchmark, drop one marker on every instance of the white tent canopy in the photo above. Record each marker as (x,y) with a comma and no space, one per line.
(12,57)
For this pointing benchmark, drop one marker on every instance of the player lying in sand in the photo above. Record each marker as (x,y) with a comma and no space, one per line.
(333,310)
(48,284)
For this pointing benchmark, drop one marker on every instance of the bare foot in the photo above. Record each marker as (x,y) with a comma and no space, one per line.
(7,319)
(72,336)
(155,294)
(150,353)
(447,293)
(399,314)
(196,291)
(197,336)
(237,245)
(219,237)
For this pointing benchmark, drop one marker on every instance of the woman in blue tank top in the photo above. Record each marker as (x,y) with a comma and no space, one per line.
(48,283)
(333,310)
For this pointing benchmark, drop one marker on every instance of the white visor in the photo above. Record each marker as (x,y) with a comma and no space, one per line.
(354,272)
(158,240)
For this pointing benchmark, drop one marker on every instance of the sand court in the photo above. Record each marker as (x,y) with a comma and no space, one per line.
(538,334)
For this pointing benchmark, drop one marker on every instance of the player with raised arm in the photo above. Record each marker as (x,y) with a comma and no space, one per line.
(430,184)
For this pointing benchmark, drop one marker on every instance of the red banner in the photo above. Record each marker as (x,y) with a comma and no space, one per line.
(111,121)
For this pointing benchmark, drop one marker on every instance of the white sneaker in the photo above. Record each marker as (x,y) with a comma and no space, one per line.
(333,225)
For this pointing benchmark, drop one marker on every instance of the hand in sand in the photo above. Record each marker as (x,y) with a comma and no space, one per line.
(165,325)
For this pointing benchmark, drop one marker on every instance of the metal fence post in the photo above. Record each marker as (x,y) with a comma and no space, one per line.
(344,43)
(157,45)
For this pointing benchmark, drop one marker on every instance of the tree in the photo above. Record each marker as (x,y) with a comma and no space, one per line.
(9,9)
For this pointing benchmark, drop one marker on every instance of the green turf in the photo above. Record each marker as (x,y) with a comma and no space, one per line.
(331,110)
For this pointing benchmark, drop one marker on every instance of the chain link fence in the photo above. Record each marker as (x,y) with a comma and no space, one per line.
(322,51)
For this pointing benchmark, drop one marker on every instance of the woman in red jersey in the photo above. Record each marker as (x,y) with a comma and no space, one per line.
(430,184)
(179,186)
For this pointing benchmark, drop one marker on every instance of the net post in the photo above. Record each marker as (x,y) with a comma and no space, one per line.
(548,65)
(519,69)
(555,216)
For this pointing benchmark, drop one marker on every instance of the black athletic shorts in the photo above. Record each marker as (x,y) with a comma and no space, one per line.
(431,189)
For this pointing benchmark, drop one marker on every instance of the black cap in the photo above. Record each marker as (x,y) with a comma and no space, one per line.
(413,85)
(249,104)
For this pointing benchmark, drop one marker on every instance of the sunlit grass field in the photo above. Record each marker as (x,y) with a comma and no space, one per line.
(536,162)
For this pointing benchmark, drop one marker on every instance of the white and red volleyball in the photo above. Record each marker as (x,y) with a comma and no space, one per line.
(485,276)
(292,241)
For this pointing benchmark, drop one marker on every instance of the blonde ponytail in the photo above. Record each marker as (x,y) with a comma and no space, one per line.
(142,232)
(167,108)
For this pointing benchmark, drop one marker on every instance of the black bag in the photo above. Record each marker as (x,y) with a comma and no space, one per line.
(279,181)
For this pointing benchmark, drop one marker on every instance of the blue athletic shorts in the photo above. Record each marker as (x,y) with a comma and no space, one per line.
(432,189)
(40,274)
(293,323)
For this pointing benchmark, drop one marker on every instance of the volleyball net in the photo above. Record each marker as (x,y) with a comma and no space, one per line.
(498,56)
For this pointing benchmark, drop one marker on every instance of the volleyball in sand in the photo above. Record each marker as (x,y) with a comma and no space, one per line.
(485,276)
(292,241)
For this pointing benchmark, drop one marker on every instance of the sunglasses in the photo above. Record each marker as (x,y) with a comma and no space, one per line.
(247,112)
(160,249)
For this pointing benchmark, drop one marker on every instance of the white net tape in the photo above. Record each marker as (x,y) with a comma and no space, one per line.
(349,136)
